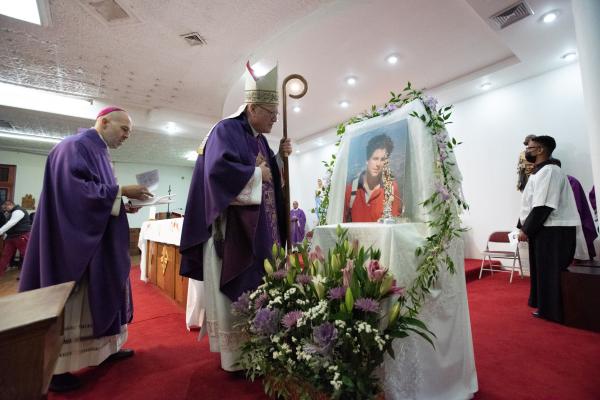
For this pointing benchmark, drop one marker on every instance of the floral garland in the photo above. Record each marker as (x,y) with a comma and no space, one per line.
(445,203)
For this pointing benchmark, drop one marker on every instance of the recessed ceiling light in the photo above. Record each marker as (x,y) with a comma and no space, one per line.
(550,17)
(296,109)
(344,104)
(486,85)
(392,59)
(570,56)
(297,151)
(191,155)
(171,127)
(351,80)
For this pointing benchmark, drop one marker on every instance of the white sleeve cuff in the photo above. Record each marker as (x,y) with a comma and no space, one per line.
(116,208)
(251,194)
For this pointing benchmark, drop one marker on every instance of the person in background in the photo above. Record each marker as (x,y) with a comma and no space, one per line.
(81,234)
(235,211)
(548,220)
(587,220)
(298,223)
(16,228)
(524,167)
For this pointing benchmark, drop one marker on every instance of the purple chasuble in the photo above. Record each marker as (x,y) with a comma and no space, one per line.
(587,221)
(74,234)
(593,198)
(220,174)
(298,222)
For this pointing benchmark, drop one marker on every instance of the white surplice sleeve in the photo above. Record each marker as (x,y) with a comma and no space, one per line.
(251,194)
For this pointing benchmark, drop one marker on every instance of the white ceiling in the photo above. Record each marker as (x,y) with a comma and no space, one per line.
(445,46)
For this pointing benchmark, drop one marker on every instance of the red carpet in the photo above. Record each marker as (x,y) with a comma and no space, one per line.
(517,356)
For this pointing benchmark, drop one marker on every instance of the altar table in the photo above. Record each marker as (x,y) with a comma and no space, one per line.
(419,371)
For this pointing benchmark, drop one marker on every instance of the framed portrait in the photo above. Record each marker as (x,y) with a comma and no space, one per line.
(368,153)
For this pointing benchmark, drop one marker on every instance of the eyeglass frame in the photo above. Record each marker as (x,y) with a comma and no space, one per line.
(271,113)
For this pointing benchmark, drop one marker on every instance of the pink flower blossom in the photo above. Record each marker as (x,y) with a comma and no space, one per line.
(395,290)
(316,254)
(375,271)
(347,272)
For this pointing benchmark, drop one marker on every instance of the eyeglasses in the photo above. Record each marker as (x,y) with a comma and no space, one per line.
(273,114)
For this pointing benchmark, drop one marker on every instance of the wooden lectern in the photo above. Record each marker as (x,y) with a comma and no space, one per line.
(31,329)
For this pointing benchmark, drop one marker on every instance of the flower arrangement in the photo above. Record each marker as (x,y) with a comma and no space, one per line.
(444,204)
(324,321)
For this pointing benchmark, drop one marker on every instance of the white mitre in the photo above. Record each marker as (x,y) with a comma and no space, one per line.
(262,89)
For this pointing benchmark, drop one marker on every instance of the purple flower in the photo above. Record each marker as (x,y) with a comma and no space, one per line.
(392,107)
(261,300)
(242,305)
(303,279)
(442,191)
(347,273)
(382,110)
(375,271)
(337,293)
(367,305)
(266,321)
(290,319)
(430,102)
(279,274)
(324,336)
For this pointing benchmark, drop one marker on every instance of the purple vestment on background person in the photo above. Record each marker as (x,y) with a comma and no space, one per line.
(298,222)
(220,174)
(74,233)
(593,198)
(587,221)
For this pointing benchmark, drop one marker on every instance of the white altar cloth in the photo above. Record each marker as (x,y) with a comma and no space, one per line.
(169,231)
(419,371)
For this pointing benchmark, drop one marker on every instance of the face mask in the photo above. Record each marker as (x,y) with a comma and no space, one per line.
(529,157)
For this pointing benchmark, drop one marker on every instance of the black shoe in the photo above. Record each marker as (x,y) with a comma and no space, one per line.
(64,383)
(120,355)
(536,314)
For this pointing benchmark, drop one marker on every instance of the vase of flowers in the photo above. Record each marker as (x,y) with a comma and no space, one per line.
(321,323)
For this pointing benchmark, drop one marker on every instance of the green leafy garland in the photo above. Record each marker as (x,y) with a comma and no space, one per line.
(444,204)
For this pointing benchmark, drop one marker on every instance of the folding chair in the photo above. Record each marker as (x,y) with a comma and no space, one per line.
(492,250)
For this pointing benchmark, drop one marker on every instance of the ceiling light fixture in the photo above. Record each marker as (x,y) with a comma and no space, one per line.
(351,80)
(486,85)
(29,137)
(344,104)
(24,10)
(570,56)
(296,109)
(191,155)
(171,127)
(392,59)
(550,17)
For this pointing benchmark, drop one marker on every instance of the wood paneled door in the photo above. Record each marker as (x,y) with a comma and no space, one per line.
(7,182)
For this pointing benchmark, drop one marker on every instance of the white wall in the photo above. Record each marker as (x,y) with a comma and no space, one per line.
(492,127)
(30,174)
(305,168)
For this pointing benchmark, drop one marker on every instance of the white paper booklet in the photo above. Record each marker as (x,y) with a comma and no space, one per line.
(156,200)
(148,179)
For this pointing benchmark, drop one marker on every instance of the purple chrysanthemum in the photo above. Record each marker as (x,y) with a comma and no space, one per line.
(261,300)
(442,191)
(279,274)
(290,319)
(242,305)
(266,321)
(367,305)
(303,279)
(431,103)
(337,293)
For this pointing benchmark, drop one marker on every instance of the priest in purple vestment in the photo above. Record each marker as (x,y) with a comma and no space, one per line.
(235,211)
(298,223)
(81,234)
(587,221)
